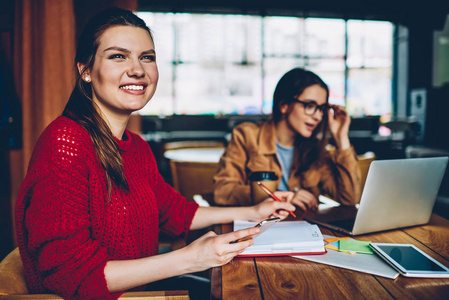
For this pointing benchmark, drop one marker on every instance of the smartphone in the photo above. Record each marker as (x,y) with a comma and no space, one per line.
(263,225)
(409,260)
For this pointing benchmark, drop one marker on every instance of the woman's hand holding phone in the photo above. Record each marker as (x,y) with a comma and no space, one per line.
(263,226)
(212,250)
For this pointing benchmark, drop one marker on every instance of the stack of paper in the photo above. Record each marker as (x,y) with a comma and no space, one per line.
(285,238)
(371,264)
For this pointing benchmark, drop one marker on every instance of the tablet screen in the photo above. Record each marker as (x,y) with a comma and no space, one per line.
(410,259)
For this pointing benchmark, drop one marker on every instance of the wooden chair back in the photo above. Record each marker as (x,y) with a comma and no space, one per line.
(13,284)
(192,178)
(12,276)
(364,162)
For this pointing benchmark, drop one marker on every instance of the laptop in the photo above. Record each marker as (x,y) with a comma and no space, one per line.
(398,193)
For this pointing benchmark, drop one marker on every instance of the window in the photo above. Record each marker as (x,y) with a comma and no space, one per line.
(369,68)
(230,64)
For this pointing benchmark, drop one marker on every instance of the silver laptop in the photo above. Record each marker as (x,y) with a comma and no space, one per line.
(397,193)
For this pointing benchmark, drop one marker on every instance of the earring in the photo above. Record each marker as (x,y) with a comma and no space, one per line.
(87,79)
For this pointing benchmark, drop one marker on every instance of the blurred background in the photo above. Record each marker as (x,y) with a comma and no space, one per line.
(387,62)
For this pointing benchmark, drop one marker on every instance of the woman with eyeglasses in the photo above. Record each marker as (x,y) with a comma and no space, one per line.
(293,145)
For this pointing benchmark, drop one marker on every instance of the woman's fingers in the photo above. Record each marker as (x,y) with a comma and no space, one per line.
(212,250)
(305,200)
(280,214)
(337,108)
(282,209)
(337,113)
(301,205)
(270,207)
(286,196)
(240,235)
(310,200)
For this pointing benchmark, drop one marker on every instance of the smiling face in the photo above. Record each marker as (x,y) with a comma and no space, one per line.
(124,74)
(297,120)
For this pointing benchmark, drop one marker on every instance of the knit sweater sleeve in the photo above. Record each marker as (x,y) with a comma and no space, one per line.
(340,177)
(231,178)
(55,200)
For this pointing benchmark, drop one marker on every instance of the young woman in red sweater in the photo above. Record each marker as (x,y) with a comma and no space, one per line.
(92,205)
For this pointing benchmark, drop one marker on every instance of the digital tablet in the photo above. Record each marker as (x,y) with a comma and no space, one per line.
(410,261)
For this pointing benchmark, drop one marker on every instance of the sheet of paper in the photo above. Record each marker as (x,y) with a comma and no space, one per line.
(352,245)
(371,264)
(327,202)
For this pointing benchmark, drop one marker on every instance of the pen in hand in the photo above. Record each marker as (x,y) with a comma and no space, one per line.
(270,193)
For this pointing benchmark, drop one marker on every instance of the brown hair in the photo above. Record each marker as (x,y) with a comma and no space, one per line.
(80,106)
(289,87)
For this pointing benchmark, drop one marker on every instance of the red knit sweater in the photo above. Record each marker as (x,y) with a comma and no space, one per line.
(67,227)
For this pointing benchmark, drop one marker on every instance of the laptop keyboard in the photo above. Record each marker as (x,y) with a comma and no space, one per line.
(347,224)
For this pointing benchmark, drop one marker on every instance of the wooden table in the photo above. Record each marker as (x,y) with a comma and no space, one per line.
(291,278)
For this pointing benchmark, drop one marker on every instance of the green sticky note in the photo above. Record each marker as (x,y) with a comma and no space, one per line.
(355,246)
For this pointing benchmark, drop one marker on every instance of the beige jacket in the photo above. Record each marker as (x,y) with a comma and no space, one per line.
(253,148)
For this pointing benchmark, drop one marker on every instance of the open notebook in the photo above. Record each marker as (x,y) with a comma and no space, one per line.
(285,238)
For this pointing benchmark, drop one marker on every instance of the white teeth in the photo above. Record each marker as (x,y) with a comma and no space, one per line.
(132,87)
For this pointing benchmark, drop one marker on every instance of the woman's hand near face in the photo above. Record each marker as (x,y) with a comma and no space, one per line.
(212,250)
(305,200)
(270,208)
(339,121)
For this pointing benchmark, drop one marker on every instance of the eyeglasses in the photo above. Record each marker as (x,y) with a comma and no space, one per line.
(311,107)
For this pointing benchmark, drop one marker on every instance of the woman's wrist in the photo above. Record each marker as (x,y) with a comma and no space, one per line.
(186,264)
(342,142)
(252,214)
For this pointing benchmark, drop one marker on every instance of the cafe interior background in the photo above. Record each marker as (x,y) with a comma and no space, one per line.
(219,61)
